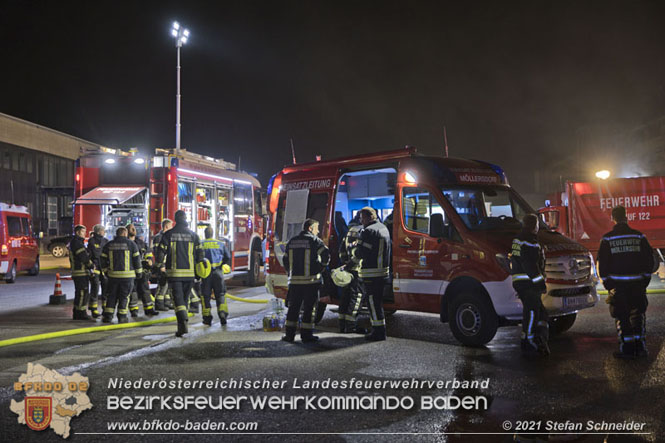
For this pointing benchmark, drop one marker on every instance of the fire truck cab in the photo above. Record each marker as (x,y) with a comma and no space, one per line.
(452,222)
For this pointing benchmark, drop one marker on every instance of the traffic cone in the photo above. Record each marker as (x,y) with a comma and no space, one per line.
(58,298)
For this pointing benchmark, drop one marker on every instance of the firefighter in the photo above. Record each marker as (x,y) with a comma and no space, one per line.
(162,298)
(141,287)
(218,255)
(96,243)
(528,275)
(304,259)
(178,254)
(82,267)
(625,264)
(375,268)
(121,263)
(351,299)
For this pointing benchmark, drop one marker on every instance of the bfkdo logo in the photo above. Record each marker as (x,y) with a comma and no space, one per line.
(38,412)
(50,399)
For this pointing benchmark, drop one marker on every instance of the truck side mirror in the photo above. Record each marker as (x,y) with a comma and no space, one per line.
(436,226)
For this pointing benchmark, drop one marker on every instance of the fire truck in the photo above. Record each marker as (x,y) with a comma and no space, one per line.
(583,211)
(452,222)
(115,188)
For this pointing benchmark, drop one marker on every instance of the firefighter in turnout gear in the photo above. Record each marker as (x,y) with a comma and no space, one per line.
(218,255)
(375,268)
(352,296)
(625,264)
(141,287)
(121,263)
(177,254)
(82,267)
(305,257)
(162,298)
(528,275)
(96,243)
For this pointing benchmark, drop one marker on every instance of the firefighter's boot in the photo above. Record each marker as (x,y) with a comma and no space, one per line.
(160,305)
(343,326)
(378,334)
(151,312)
(290,334)
(122,319)
(194,307)
(207,320)
(307,336)
(222,317)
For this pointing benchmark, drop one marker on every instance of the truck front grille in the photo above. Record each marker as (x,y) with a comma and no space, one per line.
(573,268)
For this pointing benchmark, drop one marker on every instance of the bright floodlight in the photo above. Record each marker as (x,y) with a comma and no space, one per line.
(109,161)
(603,175)
(181,34)
(139,161)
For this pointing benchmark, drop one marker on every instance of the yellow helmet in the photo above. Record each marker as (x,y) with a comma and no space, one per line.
(203,268)
(341,277)
(226,269)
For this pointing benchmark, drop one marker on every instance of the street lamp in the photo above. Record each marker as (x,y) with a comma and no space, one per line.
(603,175)
(181,35)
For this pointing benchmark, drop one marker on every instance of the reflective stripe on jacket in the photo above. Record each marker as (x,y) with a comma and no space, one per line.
(374,246)
(179,250)
(305,257)
(120,258)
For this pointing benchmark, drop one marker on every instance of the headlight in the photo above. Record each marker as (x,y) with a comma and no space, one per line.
(594,271)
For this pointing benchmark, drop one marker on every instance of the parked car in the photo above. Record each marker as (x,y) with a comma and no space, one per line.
(19,249)
(57,246)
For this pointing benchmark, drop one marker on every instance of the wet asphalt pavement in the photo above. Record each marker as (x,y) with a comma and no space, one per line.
(579,382)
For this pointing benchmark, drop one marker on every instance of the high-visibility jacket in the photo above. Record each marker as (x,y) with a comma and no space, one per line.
(79,259)
(349,251)
(179,250)
(96,243)
(375,251)
(625,257)
(216,252)
(527,262)
(304,258)
(121,259)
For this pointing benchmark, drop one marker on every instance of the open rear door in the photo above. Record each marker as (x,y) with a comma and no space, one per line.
(109,195)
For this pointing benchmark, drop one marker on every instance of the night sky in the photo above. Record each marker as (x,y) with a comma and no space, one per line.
(512,81)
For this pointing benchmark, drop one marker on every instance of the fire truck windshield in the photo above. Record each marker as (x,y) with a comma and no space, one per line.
(488,207)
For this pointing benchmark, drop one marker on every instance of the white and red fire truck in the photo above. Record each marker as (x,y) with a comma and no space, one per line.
(116,187)
(453,221)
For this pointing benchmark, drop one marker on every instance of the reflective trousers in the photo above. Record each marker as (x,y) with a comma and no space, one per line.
(97,282)
(628,307)
(535,327)
(180,290)
(214,282)
(141,290)
(373,290)
(118,296)
(307,297)
(81,293)
(351,299)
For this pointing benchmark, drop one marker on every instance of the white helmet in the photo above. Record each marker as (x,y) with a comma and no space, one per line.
(341,277)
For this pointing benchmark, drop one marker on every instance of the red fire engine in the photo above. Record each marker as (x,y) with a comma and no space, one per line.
(452,222)
(115,188)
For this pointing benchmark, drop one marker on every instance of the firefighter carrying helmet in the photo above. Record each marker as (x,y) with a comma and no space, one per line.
(341,277)
(203,268)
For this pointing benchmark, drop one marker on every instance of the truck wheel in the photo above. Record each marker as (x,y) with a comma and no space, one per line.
(561,324)
(253,275)
(320,312)
(10,276)
(472,319)
(58,250)
(389,312)
(35,268)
